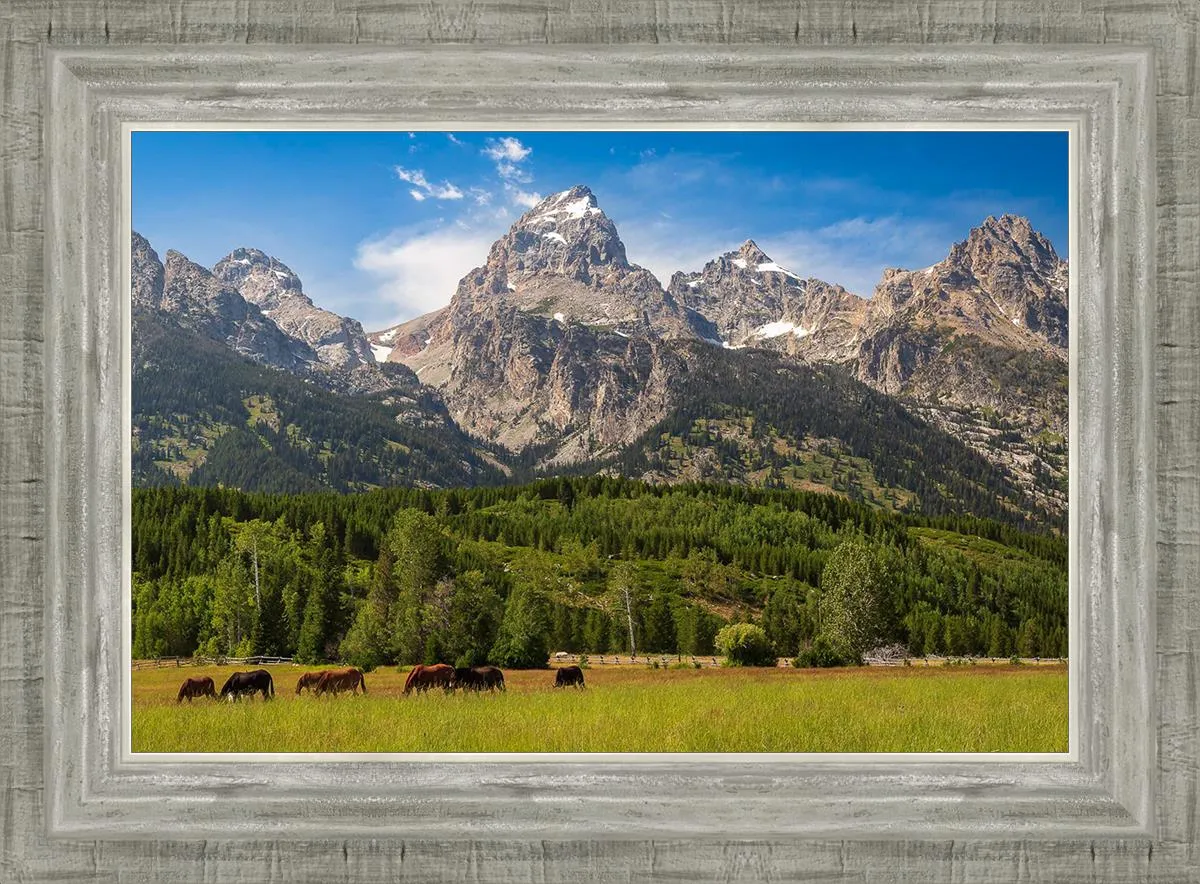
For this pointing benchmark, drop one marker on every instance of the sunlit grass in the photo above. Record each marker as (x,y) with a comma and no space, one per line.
(628,709)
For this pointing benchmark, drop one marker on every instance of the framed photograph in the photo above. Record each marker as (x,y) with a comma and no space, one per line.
(406,386)
(753,511)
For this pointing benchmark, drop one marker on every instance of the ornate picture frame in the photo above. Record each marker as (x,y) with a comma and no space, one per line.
(1122,809)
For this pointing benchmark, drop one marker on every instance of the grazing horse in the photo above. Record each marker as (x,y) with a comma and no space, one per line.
(337,680)
(249,683)
(422,678)
(568,675)
(196,687)
(309,680)
(479,678)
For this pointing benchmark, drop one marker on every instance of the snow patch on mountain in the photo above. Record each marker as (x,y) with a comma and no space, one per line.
(772,267)
(777,329)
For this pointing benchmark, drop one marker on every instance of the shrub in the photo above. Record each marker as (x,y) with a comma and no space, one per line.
(824,653)
(744,644)
(583,661)
(1014,660)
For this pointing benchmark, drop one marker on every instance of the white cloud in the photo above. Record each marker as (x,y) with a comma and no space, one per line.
(522,198)
(509,172)
(508,154)
(454,139)
(445,191)
(419,273)
(507,148)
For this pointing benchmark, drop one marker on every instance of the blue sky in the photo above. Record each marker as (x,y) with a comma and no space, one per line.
(380,226)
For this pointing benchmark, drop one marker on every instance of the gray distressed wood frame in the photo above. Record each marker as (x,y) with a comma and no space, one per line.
(1123,78)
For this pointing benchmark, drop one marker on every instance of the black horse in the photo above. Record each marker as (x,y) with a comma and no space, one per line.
(479,678)
(249,683)
(567,676)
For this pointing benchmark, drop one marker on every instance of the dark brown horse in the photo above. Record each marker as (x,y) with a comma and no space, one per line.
(337,680)
(197,687)
(309,680)
(422,678)
(256,681)
(479,678)
(567,676)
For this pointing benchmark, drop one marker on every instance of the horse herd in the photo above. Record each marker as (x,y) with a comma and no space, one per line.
(335,681)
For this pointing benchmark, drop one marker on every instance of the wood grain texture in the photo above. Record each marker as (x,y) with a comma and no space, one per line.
(73,809)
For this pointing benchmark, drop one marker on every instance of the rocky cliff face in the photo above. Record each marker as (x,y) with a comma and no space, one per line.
(976,343)
(202,303)
(944,333)
(271,285)
(745,299)
(258,309)
(557,339)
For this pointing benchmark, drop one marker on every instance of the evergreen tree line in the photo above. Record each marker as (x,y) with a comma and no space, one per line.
(511,574)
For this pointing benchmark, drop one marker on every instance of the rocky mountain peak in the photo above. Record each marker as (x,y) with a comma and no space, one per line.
(1007,242)
(148,272)
(567,233)
(751,254)
(563,260)
(273,287)
(260,278)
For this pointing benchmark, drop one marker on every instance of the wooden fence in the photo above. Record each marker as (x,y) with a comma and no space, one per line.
(161,662)
(663,660)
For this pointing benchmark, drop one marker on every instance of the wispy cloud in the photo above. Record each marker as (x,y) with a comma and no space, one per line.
(507,148)
(419,273)
(524,199)
(852,253)
(509,154)
(423,189)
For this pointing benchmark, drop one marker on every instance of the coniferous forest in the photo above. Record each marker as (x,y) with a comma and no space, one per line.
(512,574)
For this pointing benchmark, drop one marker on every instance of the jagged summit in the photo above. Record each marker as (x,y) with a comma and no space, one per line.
(751,253)
(262,279)
(563,259)
(743,298)
(566,233)
(1006,239)
(274,288)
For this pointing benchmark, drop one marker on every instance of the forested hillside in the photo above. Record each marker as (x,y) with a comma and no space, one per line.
(204,415)
(510,574)
(753,417)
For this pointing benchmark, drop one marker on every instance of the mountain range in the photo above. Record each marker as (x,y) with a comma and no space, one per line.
(944,392)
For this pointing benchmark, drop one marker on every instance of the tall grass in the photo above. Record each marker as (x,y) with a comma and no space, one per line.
(629,709)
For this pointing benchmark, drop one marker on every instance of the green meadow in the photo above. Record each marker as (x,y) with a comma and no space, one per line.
(982,708)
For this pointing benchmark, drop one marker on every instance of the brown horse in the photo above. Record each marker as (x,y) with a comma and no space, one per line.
(337,680)
(479,678)
(256,681)
(567,676)
(309,680)
(196,687)
(422,678)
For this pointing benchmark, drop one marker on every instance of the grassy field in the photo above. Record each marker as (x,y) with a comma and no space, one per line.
(628,709)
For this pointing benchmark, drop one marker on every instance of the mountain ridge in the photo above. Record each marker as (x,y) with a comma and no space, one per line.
(558,351)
